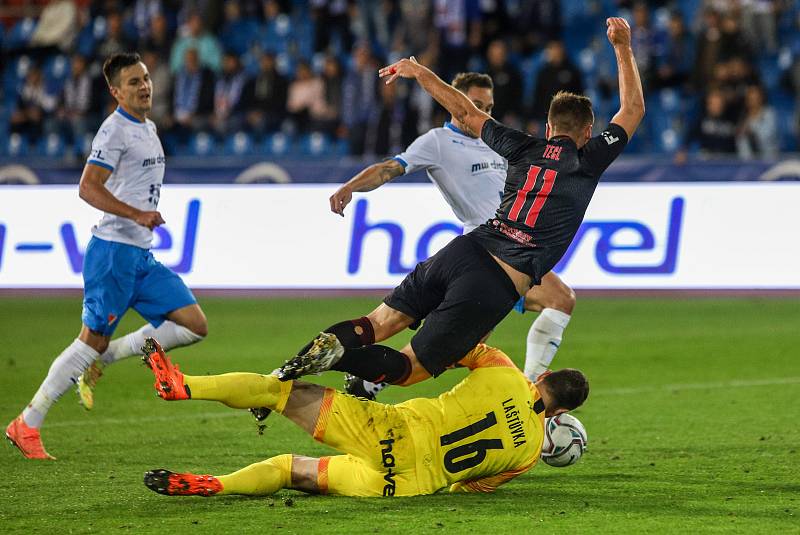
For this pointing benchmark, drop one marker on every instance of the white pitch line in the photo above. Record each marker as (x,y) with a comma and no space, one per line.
(698,386)
(89,420)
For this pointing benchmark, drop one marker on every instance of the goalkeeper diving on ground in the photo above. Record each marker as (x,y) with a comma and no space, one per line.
(478,435)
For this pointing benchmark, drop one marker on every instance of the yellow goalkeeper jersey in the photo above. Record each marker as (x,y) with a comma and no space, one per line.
(483,432)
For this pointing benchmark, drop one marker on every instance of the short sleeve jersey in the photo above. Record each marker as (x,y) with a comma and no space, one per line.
(131,150)
(548,187)
(489,427)
(467,172)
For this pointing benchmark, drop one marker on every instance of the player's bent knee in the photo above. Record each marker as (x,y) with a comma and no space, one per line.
(386,322)
(418,372)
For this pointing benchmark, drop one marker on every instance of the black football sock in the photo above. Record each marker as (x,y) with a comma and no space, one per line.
(351,333)
(375,364)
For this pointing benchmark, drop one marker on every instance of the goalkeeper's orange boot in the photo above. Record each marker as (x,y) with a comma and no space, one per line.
(174,484)
(169,379)
(27,439)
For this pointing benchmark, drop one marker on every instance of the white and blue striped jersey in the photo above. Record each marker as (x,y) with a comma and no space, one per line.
(470,175)
(131,150)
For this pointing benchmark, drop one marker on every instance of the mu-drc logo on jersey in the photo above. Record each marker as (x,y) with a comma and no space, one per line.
(387,459)
(514,423)
(154,160)
(495,165)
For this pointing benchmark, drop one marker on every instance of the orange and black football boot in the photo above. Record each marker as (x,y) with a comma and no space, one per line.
(169,379)
(175,484)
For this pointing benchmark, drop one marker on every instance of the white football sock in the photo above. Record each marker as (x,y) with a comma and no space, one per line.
(169,334)
(544,337)
(373,388)
(63,374)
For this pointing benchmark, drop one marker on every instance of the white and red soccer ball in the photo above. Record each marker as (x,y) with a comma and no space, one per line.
(564,440)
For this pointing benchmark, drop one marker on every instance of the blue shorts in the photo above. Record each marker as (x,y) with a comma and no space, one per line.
(520,305)
(117,276)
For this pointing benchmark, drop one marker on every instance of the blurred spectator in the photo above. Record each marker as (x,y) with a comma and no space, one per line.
(237,33)
(533,23)
(359,97)
(714,133)
(643,41)
(759,23)
(161,99)
(708,49)
(413,34)
(332,80)
(395,125)
(194,36)
(194,95)
(275,32)
(674,59)
(73,114)
(228,103)
(115,41)
(34,106)
(372,21)
(331,25)
(507,83)
(734,42)
(459,25)
(144,11)
(733,77)
(557,74)
(306,100)
(159,38)
(757,136)
(57,25)
(265,98)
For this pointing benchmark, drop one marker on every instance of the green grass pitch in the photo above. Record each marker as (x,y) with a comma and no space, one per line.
(692,422)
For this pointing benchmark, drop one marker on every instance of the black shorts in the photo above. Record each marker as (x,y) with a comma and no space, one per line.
(462,293)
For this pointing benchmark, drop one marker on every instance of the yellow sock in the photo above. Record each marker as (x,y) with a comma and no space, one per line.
(260,479)
(241,390)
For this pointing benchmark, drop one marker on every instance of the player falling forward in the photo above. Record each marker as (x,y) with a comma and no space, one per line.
(123,178)
(471,178)
(469,286)
(480,434)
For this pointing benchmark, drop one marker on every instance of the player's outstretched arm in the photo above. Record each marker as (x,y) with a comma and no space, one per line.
(369,179)
(631,96)
(448,96)
(93,190)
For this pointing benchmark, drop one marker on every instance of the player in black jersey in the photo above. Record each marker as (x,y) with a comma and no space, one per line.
(469,286)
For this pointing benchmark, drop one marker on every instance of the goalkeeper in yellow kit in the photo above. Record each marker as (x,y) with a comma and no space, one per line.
(473,438)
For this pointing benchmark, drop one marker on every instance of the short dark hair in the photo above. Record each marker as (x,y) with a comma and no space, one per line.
(464,80)
(570,112)
(569,388)
(115,63)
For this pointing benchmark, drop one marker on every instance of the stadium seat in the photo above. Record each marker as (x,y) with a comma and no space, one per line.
(20,34)
(238,144)
(17,145)
(314,144)
(202,144)
(277,144)
(56,69)
(52,146)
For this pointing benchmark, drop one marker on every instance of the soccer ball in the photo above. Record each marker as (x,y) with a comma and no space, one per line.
(564,440)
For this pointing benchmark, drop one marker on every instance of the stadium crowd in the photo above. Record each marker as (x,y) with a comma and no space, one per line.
(234,77)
